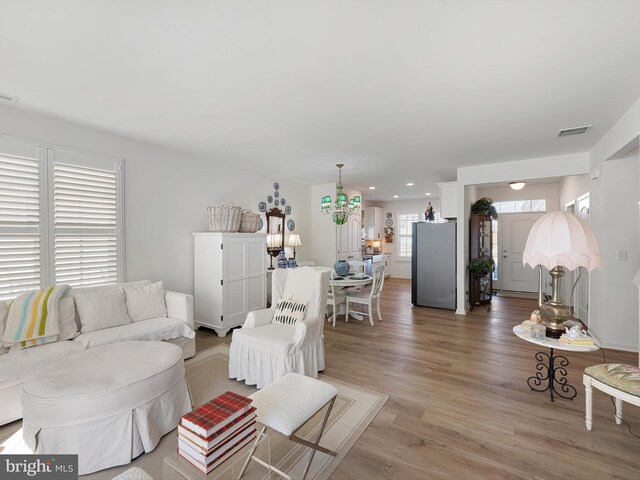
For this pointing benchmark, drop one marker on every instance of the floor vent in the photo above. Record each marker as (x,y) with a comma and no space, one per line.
(574,131)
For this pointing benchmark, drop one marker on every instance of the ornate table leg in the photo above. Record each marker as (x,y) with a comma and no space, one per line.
(551,375)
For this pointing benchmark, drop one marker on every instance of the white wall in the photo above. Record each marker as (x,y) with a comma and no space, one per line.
(402,268)
(532,191)
(323,230)
(572,187)
(614,196)
(166,194)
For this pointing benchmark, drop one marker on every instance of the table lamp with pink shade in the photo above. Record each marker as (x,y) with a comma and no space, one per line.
(560,240)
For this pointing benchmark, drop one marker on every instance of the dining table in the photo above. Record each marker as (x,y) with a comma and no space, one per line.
(341,284)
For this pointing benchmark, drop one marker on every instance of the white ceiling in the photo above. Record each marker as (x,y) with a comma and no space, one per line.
(397,90)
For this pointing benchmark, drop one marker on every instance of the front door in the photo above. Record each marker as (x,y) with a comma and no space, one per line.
(515,230)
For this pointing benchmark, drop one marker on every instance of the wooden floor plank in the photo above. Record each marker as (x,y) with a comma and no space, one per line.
(460,406)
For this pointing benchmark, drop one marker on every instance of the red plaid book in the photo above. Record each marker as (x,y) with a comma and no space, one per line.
(207,444)
(214,415)
(216,463)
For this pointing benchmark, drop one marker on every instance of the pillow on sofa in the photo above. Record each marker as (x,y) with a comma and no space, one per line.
(101,309)
(145,301)
(67,319)
(289,311)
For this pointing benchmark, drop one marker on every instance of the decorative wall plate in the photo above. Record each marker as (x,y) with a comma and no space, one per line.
(389,215)
(276,186)
(276,202)
(291,225)
(283,202)
(260,224)
(262,207)
(276,194)
(269,199)
(389,222)
(287,209)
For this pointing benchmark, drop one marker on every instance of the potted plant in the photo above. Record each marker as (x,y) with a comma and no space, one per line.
(484,206)
(481,266)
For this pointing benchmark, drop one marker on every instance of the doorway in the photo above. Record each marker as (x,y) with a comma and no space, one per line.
(515,230)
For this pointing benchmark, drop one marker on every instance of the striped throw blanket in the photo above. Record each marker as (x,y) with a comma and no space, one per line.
(33,317)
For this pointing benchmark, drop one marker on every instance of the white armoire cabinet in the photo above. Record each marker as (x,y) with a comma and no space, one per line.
(230,278)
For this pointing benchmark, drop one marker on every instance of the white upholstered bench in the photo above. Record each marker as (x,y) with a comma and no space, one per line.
(286,405)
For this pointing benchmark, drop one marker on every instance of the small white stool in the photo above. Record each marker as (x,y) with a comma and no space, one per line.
(620,381)
(286,405)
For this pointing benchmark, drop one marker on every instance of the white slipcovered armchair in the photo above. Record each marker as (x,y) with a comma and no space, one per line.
(262,351)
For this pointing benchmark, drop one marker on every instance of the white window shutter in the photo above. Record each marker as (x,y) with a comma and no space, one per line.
(86,221)
(20,242)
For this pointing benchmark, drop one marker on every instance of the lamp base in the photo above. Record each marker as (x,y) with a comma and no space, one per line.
(555,311)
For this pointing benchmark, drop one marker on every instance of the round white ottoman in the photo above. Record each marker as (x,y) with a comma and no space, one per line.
(107,404)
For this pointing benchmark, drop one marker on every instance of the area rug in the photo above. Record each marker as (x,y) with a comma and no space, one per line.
(207,377)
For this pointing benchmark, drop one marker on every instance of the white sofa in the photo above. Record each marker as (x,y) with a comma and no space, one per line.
(17,366)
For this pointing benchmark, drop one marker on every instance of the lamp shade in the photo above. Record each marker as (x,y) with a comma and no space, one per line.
(562,239)
(273,240)
(294,240)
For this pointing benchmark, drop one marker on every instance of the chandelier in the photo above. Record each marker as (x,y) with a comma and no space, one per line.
(342,207)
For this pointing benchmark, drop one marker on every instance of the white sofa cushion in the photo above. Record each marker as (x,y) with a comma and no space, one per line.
(101,309)
(145,301)
(274,338)
(22,364)
(160,328)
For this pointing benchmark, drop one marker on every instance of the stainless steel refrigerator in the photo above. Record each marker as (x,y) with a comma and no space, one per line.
(433,265)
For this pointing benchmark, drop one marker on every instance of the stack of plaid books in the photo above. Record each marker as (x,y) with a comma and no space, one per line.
(215,431)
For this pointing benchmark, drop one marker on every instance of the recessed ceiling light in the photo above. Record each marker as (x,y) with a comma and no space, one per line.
(428,194)
(372,188)
(517,185)
(395,196)
(410,184)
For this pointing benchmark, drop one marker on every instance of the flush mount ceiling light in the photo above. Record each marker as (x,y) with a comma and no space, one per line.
(428,194)
(395,196)
(410,184)
(517,185)
(372,188)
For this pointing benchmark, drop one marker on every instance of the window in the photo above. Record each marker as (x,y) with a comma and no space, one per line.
(60,218)
(405,233)
(521,206)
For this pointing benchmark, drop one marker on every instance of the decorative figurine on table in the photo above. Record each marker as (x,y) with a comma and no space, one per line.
(535,317)
(282,259)
(576,333)
(291,263)
(429,213)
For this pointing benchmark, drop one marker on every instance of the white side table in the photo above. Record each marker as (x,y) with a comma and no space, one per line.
(551,369)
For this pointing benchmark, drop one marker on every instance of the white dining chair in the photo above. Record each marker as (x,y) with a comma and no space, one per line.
(366,297)
(357,266)
(334,298)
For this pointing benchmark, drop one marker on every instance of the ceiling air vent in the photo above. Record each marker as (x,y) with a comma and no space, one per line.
(8,98)
(574,131)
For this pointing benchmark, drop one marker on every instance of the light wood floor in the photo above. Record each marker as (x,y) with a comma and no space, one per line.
(460,407)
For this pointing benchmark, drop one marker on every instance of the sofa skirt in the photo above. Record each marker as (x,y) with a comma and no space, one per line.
(256,366)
